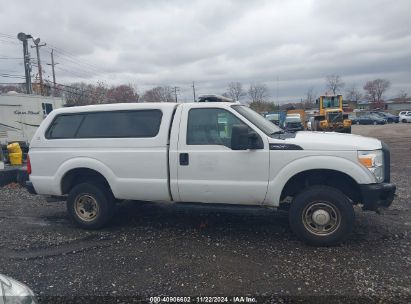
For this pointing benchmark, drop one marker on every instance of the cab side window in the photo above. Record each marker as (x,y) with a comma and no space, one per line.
(210,127)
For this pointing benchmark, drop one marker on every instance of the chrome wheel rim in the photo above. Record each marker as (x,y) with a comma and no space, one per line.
(321,218)
(86,207)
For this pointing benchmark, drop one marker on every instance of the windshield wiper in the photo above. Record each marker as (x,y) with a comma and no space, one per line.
(278,132)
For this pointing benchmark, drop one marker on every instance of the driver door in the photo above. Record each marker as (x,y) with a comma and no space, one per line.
(209,171)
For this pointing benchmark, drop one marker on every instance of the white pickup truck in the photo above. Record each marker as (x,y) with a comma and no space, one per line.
(215,153)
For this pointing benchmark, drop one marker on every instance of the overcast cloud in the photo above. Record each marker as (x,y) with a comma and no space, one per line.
(214,42)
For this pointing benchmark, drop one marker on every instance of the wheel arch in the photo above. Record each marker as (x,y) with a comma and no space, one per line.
(332,178)
(78,170)
(335,168)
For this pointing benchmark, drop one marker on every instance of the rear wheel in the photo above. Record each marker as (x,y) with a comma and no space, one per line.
(321,216)
(90,205)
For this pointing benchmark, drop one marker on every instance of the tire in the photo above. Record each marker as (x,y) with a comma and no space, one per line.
(374,123)
(316,125)
(90,206)
(329,203)
(358,122)
(404,121)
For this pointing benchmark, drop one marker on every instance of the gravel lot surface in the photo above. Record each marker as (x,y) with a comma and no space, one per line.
(154,249)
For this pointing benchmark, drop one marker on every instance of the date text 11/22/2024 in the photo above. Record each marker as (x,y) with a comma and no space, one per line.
(203,299)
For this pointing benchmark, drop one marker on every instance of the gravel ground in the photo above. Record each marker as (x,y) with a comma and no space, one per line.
(154,249)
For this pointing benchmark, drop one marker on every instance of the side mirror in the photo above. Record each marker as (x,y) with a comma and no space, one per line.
(242,139)
(239,137)
(254,141)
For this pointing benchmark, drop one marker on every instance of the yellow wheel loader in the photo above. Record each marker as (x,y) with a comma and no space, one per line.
(331,116)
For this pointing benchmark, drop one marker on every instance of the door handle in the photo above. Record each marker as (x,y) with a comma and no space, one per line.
(183,159)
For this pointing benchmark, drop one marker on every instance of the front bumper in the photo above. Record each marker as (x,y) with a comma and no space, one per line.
(375,196)
(30,187)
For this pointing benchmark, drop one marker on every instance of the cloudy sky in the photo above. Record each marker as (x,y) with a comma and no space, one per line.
(288,45)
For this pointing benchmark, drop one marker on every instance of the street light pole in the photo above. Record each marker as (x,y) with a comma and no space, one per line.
(26,57)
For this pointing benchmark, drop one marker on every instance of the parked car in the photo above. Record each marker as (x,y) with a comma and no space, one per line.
(293,123)
(369,119)
(405,116)
(390,118)
(12,291)
(214,153)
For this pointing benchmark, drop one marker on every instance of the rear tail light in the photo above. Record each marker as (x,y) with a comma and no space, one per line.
(28,165)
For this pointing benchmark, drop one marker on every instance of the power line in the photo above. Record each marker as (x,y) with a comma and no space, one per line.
(10,58)
(77,64)
(11,76)
(69,54)
(77,73)
(7,35)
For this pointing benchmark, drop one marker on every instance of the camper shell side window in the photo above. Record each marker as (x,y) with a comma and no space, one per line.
(106,124)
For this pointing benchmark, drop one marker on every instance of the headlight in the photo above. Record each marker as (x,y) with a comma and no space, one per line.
(14,292)
(373,161)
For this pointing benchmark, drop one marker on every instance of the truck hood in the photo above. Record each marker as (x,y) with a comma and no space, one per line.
(333,141)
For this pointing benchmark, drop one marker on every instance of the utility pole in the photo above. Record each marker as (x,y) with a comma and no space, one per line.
(52,69)
(175,92)
(26,56)
(194,92)
(277,92)
(38,46)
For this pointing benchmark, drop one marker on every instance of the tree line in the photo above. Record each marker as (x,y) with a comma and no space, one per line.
(256,94)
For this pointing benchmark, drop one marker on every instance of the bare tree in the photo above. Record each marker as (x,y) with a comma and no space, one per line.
(159,94)
(310,96)
(80,93)
(263,106)
(334,83)
(122,93)
(402,95)
(353,94)
(376,88)
(257,92)
(235,90)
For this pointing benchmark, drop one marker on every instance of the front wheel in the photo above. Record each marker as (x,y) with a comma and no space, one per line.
(90,205)
(321,216)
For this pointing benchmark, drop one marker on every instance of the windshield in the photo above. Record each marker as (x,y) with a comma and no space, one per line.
(331,102)
(260,122)
(292,119)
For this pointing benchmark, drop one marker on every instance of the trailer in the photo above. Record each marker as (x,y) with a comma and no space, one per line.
(21,115)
